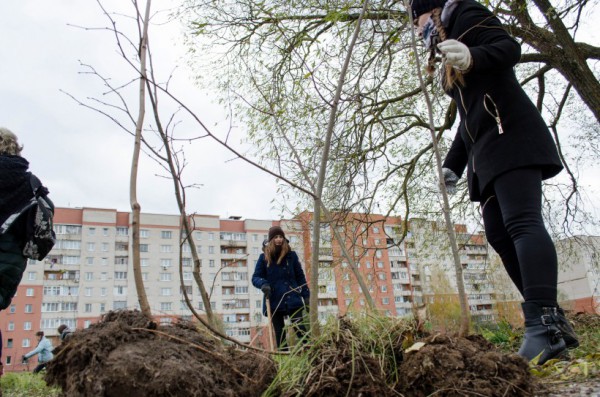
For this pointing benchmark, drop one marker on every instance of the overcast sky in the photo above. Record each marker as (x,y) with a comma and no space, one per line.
(82,157)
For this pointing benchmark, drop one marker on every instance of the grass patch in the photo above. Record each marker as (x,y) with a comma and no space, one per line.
(26,384)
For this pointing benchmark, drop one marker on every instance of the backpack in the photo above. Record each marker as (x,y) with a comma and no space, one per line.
(37,215)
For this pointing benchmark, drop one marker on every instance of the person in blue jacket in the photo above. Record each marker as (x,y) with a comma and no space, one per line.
(43,350)
(279,275)
(505,146)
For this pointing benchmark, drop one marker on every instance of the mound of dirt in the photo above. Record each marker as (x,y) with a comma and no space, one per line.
(126,354)
(471,366)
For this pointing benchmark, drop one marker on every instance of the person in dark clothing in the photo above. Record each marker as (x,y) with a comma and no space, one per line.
(508,151)
(64,333)
(15,191)
(279,275)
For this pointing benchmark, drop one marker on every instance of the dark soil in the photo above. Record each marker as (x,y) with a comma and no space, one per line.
(471,366)
(126,354)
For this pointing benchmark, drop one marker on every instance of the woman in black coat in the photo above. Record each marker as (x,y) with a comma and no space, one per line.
(279,275)
(508,151)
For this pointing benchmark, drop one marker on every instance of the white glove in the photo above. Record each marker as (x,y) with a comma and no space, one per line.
(456,54)
(450,179)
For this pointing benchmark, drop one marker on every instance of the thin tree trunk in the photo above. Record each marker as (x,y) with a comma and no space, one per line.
(135,206)
(462,296)
(314,275)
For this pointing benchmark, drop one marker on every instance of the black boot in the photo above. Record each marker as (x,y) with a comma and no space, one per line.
(542,334)
(568,333)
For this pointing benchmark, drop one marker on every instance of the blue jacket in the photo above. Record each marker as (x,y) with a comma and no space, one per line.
(289,290)
(43,350)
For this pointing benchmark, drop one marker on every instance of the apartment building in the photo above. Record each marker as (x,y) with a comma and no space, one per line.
(579,273)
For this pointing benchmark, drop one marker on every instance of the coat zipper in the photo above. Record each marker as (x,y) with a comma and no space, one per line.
(462,101)
(496,116)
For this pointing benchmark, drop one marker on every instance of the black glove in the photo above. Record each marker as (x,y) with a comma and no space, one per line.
(266,289)
(24,359)
(450,179)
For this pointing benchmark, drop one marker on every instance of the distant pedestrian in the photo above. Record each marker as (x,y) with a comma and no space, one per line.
(279,275)
(43,350)
(64,333)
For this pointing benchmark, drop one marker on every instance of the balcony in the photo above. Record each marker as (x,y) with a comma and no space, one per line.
(234,243)
(325,254)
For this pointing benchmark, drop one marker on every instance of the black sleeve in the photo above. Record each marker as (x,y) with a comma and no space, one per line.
(456,158)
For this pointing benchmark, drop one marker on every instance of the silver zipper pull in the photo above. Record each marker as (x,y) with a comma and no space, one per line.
(500,129)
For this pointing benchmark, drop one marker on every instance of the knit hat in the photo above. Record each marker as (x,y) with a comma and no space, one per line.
(420,7)
(275,231)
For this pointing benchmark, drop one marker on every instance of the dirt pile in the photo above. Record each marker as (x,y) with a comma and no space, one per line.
(471,366)
(126,354)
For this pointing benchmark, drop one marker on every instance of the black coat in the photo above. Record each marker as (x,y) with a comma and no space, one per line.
(500,128)
(289,290)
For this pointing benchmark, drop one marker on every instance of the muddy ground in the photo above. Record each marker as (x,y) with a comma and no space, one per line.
(128,355)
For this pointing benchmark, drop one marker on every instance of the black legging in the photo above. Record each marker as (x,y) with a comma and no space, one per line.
(296,319)
(512,215)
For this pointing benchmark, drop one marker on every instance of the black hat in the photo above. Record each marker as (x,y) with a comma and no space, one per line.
(420,7)
(276,231)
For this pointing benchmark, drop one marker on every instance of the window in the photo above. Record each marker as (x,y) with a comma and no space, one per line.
(104,276)
(105,231)
(26,342)
(9,343)
(87,323)
(50,307)
(88,308)
(211,236)
(166,234)
(187,275)
(122,231)
(91,247)
(241,290)
(120,275)
(27,326)
(186,262)
(198,235)
(144,233)
(102,307)
(89,276)
(11,326)
(164,263)
(121,247)
(211,263)
(103,261)
(13,308)
(70,260)
(145,276)
(144,248)
(165,291)
(29,292)
(31,276)
(383,288)
(255,237)
(104,247)
(119,305)
(89,260)
(385,301)
(120,290)
(165,306)
(166,248)
(211,249)
(28,308)
(92,231)
(144,262)
(103,291)
(165,277)
(89,291)
(68,306)
(380,265)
